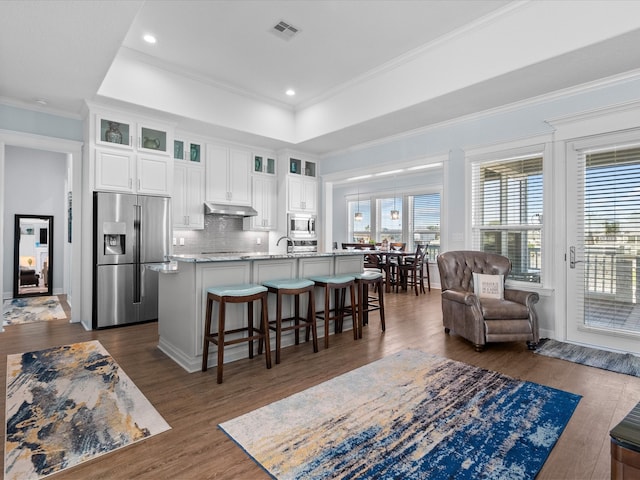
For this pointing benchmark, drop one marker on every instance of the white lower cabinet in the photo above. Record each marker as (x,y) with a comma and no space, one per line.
(188,196)
(264,193)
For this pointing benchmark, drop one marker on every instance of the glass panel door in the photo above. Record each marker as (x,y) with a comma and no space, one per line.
(604,248)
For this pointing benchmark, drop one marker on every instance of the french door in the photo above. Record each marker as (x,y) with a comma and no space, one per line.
(603,243)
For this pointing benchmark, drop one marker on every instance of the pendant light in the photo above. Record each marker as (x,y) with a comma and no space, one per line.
(395,214)
(358,215)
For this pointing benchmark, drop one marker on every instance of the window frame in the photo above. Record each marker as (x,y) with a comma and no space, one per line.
(542,146)
(404,207)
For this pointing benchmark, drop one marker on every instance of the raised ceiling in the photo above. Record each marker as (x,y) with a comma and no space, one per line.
(362,70)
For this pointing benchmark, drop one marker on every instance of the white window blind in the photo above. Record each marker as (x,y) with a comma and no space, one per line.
(609,197)
(424,227)
(507,212)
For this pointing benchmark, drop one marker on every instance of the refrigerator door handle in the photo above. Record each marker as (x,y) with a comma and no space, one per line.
(140,284)
(136,270)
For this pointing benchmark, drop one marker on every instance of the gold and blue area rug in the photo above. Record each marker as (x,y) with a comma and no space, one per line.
(69,404)
(31,309)
(411,415)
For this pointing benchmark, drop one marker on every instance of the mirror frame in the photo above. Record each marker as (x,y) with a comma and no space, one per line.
(16,256)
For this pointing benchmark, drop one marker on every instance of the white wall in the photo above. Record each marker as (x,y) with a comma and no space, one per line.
(454,139)
(34,184)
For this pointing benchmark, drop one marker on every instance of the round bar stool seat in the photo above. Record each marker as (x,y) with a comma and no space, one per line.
(243,293)
(369,303)
(295,287)
(337,283)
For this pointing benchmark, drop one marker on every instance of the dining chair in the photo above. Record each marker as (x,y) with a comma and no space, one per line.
(412,271)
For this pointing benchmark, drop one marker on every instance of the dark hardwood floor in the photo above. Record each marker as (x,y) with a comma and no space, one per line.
(193,404)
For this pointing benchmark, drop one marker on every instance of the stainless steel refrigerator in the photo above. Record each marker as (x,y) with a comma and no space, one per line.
(131,233)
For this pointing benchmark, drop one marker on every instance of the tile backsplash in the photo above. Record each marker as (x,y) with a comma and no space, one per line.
(222,233)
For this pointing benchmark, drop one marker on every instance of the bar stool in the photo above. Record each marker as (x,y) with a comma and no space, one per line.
(337,283)
(245,293)
(294,287)
(369,303)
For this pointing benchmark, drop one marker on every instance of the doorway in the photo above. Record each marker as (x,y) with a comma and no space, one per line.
(603,264)
(69,267)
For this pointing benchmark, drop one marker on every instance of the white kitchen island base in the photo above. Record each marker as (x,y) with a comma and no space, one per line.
(182,299)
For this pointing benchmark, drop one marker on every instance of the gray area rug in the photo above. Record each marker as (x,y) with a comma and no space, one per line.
(593,357)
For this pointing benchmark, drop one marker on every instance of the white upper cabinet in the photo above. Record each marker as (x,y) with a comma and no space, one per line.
(302,186)
(154,139)
(117,171)
(264,192)
(228,177)
(131,155)
(154,175)
(302,194)
(114,132)
(188,149)
(114,170)
(188,195)
(264,164)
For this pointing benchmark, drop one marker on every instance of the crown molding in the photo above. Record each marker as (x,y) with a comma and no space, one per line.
(505,109)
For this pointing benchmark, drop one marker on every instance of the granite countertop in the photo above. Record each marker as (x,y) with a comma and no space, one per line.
(171,267)
(225,257)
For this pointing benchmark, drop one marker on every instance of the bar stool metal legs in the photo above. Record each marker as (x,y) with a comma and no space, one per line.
(235,294)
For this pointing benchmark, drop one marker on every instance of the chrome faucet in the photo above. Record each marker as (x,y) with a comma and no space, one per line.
(289,243)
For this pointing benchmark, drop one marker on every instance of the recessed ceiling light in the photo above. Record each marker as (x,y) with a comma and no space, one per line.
(41,101)
(149,38)
(291,92)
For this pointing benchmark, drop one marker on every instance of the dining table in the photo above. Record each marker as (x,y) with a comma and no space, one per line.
(389,259)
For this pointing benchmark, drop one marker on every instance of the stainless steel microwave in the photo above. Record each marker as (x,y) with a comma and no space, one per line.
(301,226)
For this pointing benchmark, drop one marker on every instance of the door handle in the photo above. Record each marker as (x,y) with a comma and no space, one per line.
(572,258)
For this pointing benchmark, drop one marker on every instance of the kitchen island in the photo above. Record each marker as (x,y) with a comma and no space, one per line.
(182,298)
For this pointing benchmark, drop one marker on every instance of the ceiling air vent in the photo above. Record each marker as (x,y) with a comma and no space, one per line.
(284,30)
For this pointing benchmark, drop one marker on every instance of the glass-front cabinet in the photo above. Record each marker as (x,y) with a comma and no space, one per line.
(131,154)
(119,132)
(264,164)
(302,167)
(153,139)
(188,150)
(114,132)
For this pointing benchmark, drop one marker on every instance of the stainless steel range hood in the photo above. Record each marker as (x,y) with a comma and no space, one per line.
(211,208)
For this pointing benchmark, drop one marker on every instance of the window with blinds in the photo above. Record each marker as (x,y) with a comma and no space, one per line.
(610,227)
(424,223)
(507,213)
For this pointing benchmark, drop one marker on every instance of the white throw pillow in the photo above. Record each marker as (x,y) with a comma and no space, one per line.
(488,286)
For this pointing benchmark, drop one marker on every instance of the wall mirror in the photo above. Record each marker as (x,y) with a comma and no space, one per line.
(33,255)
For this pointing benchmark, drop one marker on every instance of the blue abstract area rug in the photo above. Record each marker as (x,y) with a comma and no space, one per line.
(411,415)
(66,405)
(31,309)
(592,357)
